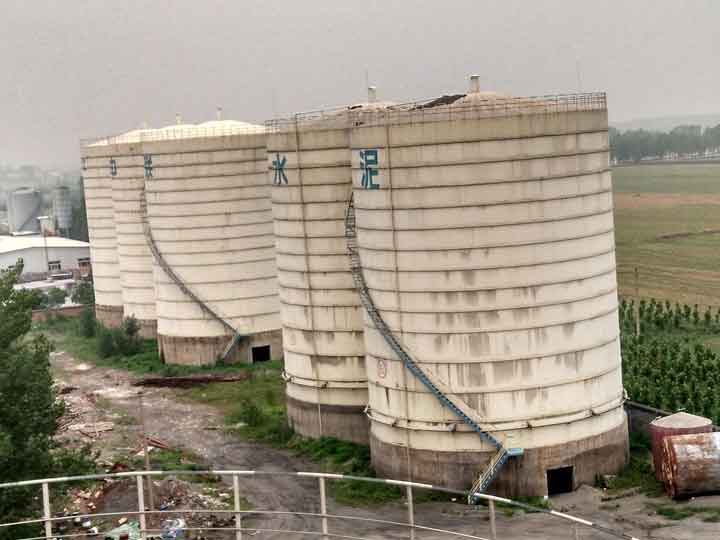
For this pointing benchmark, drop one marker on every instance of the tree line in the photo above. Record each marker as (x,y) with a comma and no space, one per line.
(681,141)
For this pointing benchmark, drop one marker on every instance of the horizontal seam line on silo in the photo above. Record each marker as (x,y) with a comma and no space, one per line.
(236,175)
(192,152)
(234,211)
(215,301)
(494,139)
(214,239)
(505,202)
(501,390)
(221,282)
(198,227)
(507,267)
(209,201)
(314,330)
(494,421)
(160,163)
(211,252)
(578,175)
(498,225)
(301,305)
(223,263)
(493,246)
(491,360)
(204,189)
(497,309)
(525,285)
(516,159)
(226,317)
(405,331)
(192,228)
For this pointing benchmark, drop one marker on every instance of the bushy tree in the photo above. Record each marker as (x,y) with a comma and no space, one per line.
(88,324)
(56,297)
(83,293)
(29,408)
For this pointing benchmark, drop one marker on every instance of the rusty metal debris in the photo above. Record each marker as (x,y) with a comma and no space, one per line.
(191,380)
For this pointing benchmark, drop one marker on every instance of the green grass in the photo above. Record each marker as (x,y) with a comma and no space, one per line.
(685,269)
(678,512)
(65,335)
(638,473)
(680,178)
(255,409)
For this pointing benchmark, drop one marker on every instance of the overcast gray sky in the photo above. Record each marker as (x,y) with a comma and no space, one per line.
(79,68)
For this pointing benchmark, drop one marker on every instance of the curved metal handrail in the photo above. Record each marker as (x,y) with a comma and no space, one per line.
(48,520)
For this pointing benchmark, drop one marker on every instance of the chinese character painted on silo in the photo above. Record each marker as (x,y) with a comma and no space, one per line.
(83,162)
(369,167)
(113,167)
(148,166)
(278,165)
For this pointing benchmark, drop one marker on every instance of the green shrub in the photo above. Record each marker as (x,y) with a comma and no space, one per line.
(88,324)
(56,297)
(83,293)
(105,344)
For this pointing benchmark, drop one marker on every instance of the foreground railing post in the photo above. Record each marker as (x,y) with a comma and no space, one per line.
(323,507)
(411,511)
(141,505)
(238,515)
(493,528)
(47,513)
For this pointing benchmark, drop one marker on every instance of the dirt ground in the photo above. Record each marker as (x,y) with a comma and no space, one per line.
(103,397)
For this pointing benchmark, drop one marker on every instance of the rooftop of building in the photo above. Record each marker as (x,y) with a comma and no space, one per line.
(9,244)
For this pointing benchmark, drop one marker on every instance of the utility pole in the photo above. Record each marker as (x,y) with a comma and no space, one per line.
(146,451)
(637,302)
(43,231)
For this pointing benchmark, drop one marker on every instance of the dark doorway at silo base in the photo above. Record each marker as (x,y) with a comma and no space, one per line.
(559,480)
(261,354)
(205,351)
(606,453)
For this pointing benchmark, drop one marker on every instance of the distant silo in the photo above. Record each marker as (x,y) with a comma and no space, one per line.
(24,207)
(62,208)
(127,172)
(208,206)
(309,161)
(485,233)
(97,182)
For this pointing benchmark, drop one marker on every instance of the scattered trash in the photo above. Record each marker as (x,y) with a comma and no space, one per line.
(128,531)
(190,380)
(173,529)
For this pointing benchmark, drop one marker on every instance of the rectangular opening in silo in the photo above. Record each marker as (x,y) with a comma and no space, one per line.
(261,353)
(560,480)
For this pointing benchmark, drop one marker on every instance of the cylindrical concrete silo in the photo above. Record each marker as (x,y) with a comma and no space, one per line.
(485,234)
(208,204)
(101,232)
(127,171)
(62,208)
(24,207)
(309,161)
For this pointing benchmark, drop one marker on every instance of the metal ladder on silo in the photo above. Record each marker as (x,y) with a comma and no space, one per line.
(147,232)
(502,454)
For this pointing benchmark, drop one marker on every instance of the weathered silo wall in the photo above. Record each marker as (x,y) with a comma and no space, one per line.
(485,232)
(208,205)
(309,161)
(101,232)
(62,208)
(24,207)
(135,260)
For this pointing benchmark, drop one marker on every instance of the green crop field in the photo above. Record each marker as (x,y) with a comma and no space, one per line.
(667,225)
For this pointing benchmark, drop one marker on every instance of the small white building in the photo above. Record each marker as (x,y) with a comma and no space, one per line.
(40,255)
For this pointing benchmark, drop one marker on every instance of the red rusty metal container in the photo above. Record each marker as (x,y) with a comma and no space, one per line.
(676,424)
(691,464)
